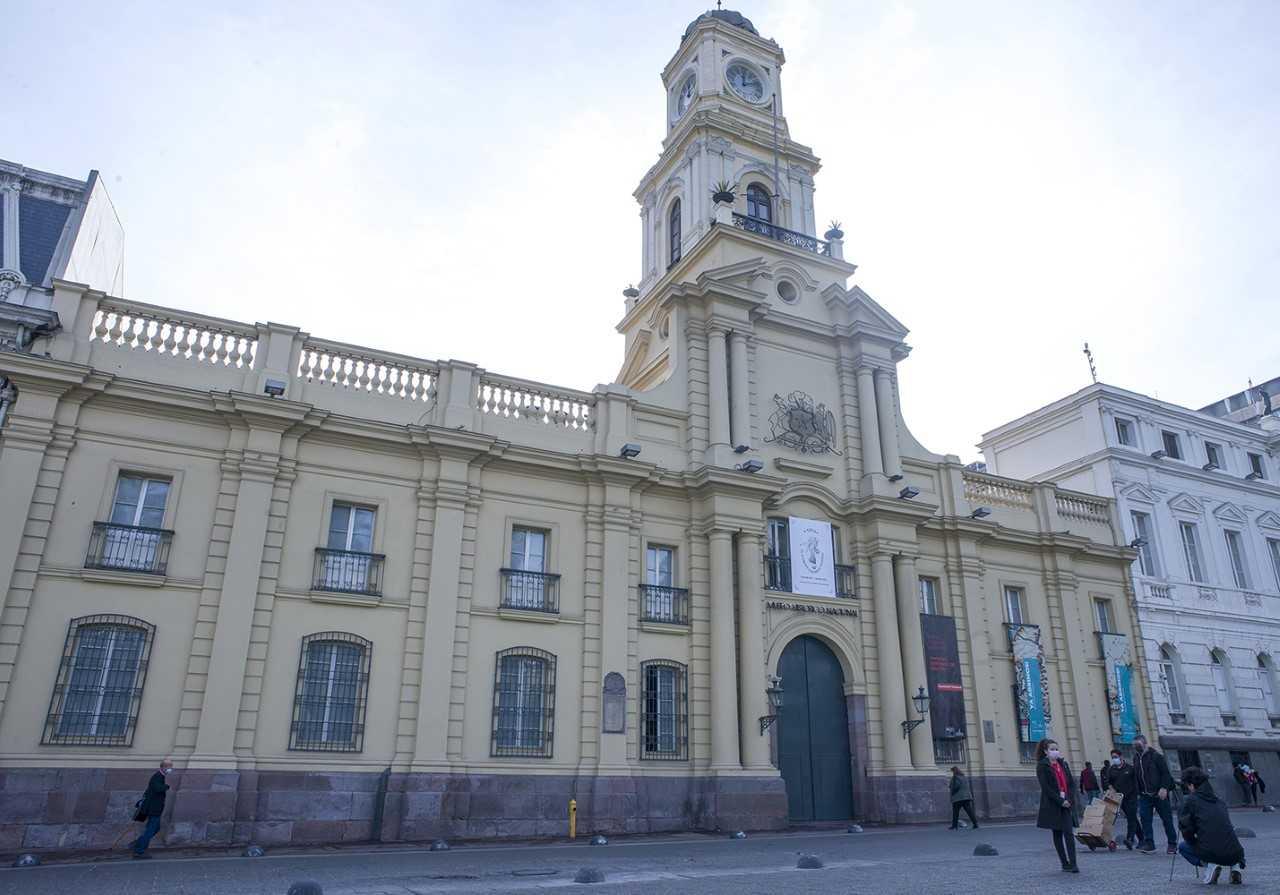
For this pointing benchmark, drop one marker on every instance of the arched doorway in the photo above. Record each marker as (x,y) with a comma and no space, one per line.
(813,733)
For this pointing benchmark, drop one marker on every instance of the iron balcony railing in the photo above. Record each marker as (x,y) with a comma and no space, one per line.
(348,572)
(669,605)
(781,234)
(129,548)
(777,576)
(536,591)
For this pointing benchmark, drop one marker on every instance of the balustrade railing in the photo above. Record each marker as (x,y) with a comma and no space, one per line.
(777,576)
(669,605)
(981,488)
(350,367)
(1159,591)
(348,572)
(781,234)
(129,548)
(535,403)
(846,581)
(191,337)
(1082,507)
(538,591)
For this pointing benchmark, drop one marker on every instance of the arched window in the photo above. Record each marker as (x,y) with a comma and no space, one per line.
(673,231)
(759,205)
(99,686)
(524,702)
(1220,665)
(332,693)
(1171,678)
(664,710)
(1267,675)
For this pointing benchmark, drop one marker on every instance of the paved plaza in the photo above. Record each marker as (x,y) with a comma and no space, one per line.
(917,860)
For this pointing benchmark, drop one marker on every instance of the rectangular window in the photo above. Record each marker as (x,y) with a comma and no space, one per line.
(528,549)
(1213,453)
(1143,529)
(351,527)
(1172,444)
(929,593)
(346,563)
(524,703)
(1104,616)
(664,716)
(526,583)
(1222,685)
(333,688)
(1124,432)
(661,600)
(778,561)
(659,566)
(132,539)
(1191,551)
(99,685)
(1169,677)
(1235,552)
(1014,606)
(1273,547)
(1256,467)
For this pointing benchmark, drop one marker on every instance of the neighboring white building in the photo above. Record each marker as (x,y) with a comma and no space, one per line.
(1202,491)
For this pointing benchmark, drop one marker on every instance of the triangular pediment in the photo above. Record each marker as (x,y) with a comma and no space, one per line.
(1185,503)
(1270,520)
(636,356)
(741,273)
(1229,512)
(865,313)
(1140,493)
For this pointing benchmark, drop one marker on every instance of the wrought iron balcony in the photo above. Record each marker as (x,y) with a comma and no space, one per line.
(129,548)
(781,234)
(846,581)
(536,591)
(669,605)
(777,576)
(348,572)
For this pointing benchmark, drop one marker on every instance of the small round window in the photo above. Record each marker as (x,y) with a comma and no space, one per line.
(788,292)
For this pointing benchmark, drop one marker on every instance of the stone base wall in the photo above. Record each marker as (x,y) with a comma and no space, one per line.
(72,809)
(904,800)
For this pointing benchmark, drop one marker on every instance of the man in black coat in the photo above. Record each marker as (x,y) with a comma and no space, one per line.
(1119,775)
(1206,828)
(1154,783)
(152,807)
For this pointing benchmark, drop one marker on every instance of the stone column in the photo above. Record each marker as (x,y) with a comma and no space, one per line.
(755,748)
(718,389)
(740,390)
(913,658)
(897,755)
(10,193)
(868,425)
(724,666)
(614,603)
(887,417)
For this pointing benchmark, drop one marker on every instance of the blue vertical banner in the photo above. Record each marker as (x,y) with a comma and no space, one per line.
(1117,656)
(1031,690)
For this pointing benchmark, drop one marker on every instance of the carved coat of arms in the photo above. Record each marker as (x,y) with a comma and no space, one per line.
(803,425)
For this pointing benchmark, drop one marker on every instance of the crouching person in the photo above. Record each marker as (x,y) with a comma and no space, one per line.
(1208,838)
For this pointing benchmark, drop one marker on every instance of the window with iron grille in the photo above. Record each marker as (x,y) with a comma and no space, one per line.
(132,539)
(524,703)
(673,232)
(948,751)
(99,687)
(332,694)
(664,710)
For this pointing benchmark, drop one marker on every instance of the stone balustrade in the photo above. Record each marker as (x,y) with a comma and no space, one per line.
(1159,591)
(380,373)
(134,326)
(982,488)
(1084,507)
(533,402)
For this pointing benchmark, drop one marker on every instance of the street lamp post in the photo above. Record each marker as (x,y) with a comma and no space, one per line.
(921,702)
(774,692)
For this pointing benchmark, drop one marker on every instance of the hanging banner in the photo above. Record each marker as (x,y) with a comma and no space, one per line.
(1118,657)
(1031,687)
(813,567)
(942,670)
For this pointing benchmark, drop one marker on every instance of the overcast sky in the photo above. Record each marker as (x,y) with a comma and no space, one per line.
(453,180)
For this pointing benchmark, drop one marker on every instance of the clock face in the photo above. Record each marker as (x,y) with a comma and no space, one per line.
(685,99)
(745,82)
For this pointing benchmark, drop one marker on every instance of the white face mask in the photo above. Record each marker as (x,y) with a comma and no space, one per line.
(1055,754)
(166,771)
(1116,762)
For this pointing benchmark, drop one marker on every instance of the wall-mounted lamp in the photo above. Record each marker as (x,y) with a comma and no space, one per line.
(1158,455)
(908,492)
(1210,466)
(921,702)
(629,451)
(774,692)
(274,388)
(980,513)
(1253,476)
(741,448)
(896,478)
(752,466)
(1138,543)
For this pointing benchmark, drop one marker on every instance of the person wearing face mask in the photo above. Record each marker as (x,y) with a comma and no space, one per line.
(151,807)
(1118,774)
(1154,783)
(1057,796)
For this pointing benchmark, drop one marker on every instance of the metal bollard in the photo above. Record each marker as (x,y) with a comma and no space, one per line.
(573,818)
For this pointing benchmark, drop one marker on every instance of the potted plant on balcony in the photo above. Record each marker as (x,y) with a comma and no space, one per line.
(834,232)
(723,193)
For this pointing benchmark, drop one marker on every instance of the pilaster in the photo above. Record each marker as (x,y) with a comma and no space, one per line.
(868,424)
(753,700)
(724,671)
(913,665)
(897,754)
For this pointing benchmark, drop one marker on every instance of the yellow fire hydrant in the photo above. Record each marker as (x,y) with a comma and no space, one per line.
(573,818)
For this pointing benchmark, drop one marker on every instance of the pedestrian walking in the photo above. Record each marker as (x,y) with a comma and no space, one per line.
(1089,787)
(1255,780)
(1241,775)
(1207,833)
(150,807)
(1154,783)
(961,798)
(1262,784)
(1119,775)
(1057,796)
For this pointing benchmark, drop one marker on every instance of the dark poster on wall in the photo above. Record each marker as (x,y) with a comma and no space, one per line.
(942,668)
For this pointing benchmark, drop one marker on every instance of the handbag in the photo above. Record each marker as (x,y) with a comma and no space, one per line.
(138,814)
